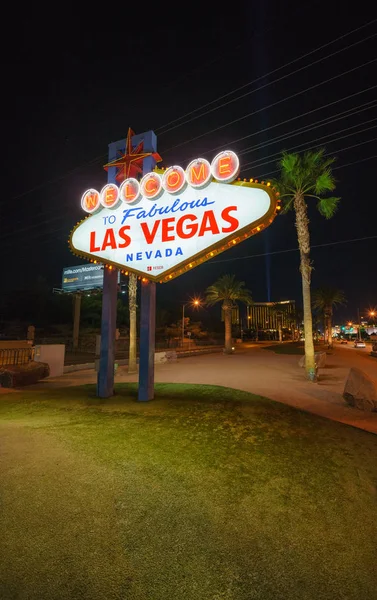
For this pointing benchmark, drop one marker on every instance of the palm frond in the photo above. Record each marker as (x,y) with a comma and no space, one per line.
(328,206)
(325,182)
(324,298)
(227,289)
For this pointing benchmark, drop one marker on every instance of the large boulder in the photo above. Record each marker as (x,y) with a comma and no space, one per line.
(319,357)
(360,391)
(18,375)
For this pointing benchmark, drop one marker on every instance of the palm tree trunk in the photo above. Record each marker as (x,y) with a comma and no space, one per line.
(228,330)
(280,333)
(329,326)
(302,222)
(132,290)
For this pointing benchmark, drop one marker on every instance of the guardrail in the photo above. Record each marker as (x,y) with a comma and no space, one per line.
(16,356)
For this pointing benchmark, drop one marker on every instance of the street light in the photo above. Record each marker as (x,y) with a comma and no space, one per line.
(194,302)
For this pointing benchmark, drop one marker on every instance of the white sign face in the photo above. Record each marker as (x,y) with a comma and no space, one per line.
(163,237)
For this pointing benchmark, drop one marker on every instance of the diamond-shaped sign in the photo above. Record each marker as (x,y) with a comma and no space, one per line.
(168,235)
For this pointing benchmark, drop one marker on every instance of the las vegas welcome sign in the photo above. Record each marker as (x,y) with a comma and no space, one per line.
(173,219)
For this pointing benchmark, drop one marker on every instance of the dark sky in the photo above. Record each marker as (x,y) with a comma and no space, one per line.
(76,82)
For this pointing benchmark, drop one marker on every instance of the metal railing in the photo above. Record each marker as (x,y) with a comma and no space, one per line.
(16,356)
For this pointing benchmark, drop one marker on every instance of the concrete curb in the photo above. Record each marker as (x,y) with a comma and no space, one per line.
(124,361)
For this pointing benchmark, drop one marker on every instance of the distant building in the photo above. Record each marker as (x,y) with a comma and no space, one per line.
(264,317)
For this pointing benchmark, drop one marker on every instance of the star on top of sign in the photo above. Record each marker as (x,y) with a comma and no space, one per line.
(130,164)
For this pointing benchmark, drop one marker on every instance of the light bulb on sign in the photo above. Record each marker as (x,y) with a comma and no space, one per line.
(225,166)
(173,180)
(129,191)
(90,201)
(109,196)
(151,185)
(198,173)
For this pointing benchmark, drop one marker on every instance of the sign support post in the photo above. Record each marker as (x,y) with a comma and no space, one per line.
(148,305)
(147,341)
(105,380)
(105,386)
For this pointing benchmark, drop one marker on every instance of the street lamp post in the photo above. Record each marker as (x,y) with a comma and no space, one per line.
(192,303)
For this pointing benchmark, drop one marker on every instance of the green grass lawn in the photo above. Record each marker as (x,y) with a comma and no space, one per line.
(205,493)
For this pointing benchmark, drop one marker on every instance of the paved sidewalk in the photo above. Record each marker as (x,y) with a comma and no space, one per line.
(264,373)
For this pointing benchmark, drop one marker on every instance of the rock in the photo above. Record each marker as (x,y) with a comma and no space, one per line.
(19,375)
(360,391)
(319,357)
(164,357)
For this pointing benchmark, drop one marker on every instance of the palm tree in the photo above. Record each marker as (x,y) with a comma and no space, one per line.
(279,312)
(132,291)
(324,300)
(302,177)
(296,317)
(228,291)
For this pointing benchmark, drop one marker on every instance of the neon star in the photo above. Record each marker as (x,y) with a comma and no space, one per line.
(130,164)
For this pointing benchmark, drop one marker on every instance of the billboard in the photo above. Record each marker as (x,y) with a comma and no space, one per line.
(82,278)
(173,220)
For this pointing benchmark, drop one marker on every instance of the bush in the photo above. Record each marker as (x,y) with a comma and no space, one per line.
(20,375)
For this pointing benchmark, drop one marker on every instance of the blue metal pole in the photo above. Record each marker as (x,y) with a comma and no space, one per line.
(105,379)
(147,341)
(148,306)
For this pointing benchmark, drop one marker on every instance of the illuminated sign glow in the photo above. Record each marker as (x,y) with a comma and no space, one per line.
(174,219)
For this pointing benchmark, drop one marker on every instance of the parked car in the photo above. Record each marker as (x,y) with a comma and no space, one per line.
(359,344)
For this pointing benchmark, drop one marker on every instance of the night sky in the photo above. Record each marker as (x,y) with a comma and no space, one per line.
(77,82)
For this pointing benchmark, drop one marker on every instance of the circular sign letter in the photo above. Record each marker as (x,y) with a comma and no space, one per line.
(151,185)
(225,166)
(173,179)
(198,173)
(109,195)
(90,201)
(129,191)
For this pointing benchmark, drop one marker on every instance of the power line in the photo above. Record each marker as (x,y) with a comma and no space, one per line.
(33,240)
(336,152)
(26,229)
(214,262)
(100,157)
(294,118)
(327,121)
(247,169)
(270,73)
(268,84)
(63,176)
(355,162)
(312,87)
(267,162)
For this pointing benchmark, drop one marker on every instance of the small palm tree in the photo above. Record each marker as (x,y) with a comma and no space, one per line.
(228,291)
(279,311)
(132,305)
(302,177)
(324,300)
